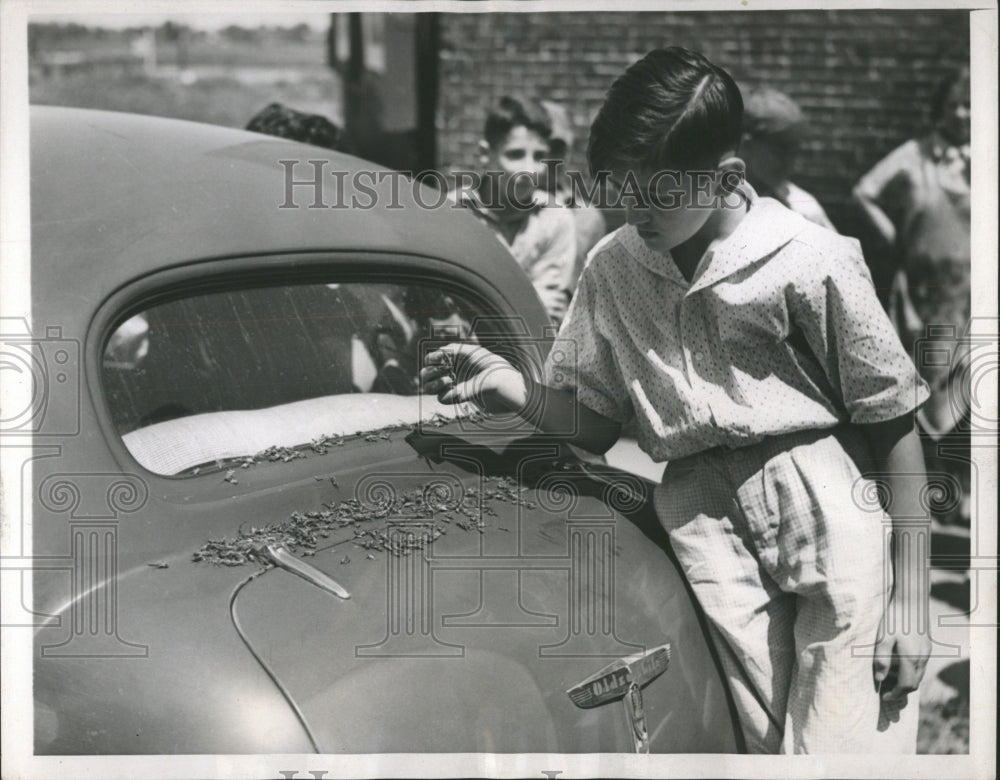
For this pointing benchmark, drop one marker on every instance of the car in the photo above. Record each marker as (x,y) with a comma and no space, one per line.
(254,535)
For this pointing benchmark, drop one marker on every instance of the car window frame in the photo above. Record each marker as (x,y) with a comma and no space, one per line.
(287,268)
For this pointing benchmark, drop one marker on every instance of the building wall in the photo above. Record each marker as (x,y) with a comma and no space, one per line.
(863,78)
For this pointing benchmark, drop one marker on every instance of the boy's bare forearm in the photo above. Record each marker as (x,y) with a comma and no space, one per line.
(559,410)
(898,461)
(466,372)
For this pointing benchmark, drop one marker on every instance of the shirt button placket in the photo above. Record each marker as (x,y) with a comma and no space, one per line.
(695,357)
(684,337)
(691,343)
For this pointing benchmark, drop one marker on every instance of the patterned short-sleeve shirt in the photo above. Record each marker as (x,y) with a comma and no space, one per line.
(778,331)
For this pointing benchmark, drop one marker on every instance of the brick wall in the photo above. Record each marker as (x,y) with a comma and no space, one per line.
(861,77)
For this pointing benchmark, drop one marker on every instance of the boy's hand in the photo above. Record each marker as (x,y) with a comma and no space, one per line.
(900,658)
(466,372)
(898,460)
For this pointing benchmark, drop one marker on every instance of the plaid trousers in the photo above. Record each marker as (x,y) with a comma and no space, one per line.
(793,575)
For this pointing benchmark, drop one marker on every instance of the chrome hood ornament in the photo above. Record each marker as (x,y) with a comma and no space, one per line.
(623,679)
(278,555)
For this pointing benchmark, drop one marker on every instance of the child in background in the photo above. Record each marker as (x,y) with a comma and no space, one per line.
(773,126)
(538,232)
(918,201)
(284,122)
(589,221)
(750,348)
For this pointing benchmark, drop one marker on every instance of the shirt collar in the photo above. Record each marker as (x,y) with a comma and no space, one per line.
(471,199)
(767,227)
(660,264)
(942,151)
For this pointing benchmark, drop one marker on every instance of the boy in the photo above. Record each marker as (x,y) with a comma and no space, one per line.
(772,131)
(918,201)
(540,234)
(750,349)
(284,122)
(588,220)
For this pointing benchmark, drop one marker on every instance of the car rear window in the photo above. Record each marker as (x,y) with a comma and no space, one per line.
(223,375)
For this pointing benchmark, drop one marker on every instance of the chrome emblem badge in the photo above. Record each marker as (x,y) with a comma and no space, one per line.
(623,679)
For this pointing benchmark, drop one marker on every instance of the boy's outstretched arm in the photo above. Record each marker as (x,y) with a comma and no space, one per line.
(466,372)
(899,462)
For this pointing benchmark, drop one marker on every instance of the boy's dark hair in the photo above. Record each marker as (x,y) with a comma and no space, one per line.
(426,303)
(951,77)
(510,112)
(672,110)
(284,122)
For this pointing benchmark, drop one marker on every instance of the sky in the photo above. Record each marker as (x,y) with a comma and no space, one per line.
(319,20)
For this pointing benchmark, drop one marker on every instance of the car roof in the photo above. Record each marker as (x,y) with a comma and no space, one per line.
(116,196)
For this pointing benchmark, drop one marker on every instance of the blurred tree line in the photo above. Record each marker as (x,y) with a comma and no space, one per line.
(43,36)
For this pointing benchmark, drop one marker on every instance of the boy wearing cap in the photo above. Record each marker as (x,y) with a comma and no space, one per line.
(772,131)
